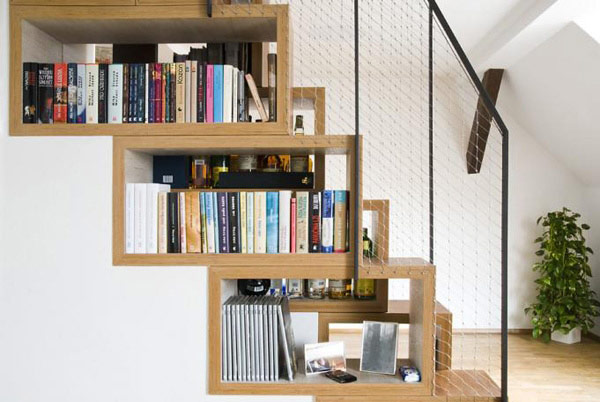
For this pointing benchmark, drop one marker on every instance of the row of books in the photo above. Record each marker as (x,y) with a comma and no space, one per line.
(257,341)
(160,221)
(184,92)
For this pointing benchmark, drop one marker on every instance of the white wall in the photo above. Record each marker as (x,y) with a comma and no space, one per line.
(592,217)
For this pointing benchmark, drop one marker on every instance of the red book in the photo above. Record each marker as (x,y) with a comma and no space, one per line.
(60,93)
(158,117)
(293,226)
(209,92)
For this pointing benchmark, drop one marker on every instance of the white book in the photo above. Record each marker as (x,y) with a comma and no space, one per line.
(139,223)
(261,340)
(250,349)
(267,340)
(91,90)
(182,214)
(238,340)
(115,93)
(247,339)
(227,93)
(188,91)
(224,354)
(146,89)
(233,333)
(152,190)
(162,222)
(129,218)
(81,98)
(260,222)
(302,222)
(250,222)
(285,198)
(274,341)
(243,338)
(194,91)
(256,340)
(235,93)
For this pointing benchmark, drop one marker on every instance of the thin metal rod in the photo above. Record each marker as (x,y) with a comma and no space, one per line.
(504,324)
(357,207)
(431,204)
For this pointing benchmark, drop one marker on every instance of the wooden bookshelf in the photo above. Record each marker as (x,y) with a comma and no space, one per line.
(38,32)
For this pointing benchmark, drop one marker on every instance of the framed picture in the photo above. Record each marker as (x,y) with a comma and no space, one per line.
(324,357)
(379,347)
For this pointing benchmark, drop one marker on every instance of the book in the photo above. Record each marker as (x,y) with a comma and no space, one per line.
(223,213)
(340,208)
(60,93)
(91,91)
(293,218)
(193,222)
(162,222)
(227,93)
(72,93)
(234,227)
(151,88)
(216,223)
(129,218)
(115,93)
(180,94)
(200,89)
(314,210)
(131,106)
(125,97)
(194,92)
(188,91)
(285,198)
(327,221)
(173,244)
(302,222)
(141,215)
(210,223)
(218,93)
(241,98)
(152,191)
(209,116)
(272,72)
(250,222)
(182,223)
(243,223)
(235,92)
(260,222)
(45,93)
(103,93)
(140,105)
(173,93)
(256,98)
(286,337)
(147,85)
(272,222)
(203,222)
(165,91)
(81,94)
(30,93)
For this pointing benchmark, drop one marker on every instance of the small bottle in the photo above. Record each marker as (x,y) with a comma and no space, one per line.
(365,289)
(295,288)
(340,288)
(218,165)
(200,172)
(277,287)
(299,126)
(247,163)
(316,288)
(367,245)
(253,287)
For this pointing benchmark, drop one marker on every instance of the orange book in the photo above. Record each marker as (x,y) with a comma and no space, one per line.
(192,222)
(60,93)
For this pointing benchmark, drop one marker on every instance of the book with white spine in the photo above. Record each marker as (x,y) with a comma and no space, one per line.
(91,84)
(162,222)
(140,199)
(235,93)
(285,198)
(152,190)
(182,234)
(227,93)
(115,93)
(129,218)
(250,222)
(302,222)
(194,90)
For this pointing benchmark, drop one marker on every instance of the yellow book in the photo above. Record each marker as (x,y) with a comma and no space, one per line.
(179,92)
(192,222)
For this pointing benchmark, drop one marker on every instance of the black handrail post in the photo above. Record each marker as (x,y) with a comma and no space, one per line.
(431,204)
(357,208)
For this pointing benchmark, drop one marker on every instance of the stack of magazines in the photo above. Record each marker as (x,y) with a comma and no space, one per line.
(257,342)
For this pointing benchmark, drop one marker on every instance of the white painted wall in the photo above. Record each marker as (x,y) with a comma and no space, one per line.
(592,217)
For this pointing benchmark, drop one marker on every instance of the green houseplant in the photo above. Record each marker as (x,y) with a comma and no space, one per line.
(565,301)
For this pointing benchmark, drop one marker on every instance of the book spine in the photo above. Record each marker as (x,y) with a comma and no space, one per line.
(167,94)
(223,222)
(46,93)
(227,94)
(141,94)
(272,71)
(241,97)
(180,92)
(173,245)
(210,223)
(302,222)
(173,93)
(147,85)
(102,93)
(315,222)
(158,117)
(91,83)
(140,209)
(125,97)
(203,222)
(151,85)
(250,222)
(193,92)
(284,221)
(72,93)
(132,110)
(164,89)
(340,207)
(192,222)
(30,93)
(162,222)
(182,225)
(234,229)
(129,218)
(81,94)
(60,93)
(218,94)
(256,98)
(152,218)
(201,106)
(272,222)
(243,223)
(234,91)
(209,117)
(115,93)
(260,222)
(188,91)
(327,222)
(216,223)
(293,218)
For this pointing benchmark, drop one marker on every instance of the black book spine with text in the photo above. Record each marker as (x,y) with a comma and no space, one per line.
(314,235)
(133,71)
(234,227)
(72,93)
(125,93)
(30,93)
(141,93)
(223,221)
(173,241)
(172,99)
(102,93)
(151,94)
(46,93)
(201,71)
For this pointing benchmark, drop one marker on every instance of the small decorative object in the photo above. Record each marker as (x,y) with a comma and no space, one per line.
(254,287)
(316,288)
(247,163)
(299,126)
(340,288)
(365,289)
(271,163)
(218,164)
(410,374)
(200,172)
(379,347)
(565,301)
(295,288)
(324,357)
(367,245)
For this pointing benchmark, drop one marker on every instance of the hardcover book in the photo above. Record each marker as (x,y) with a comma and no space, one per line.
(141,216)
(234,227)
(173,245)
(115,93)
(340,221)
(227,93)
(91,85)
(223,213)
(302,222)
(81,94)
(60,93)
(125,97)
(218,94)
(140,106)
(209,116)
(315,222)
(72,93)
(272,222)
(46,93)
(272,71)
(327,222)
(102,93)
(30,93)
(192,222)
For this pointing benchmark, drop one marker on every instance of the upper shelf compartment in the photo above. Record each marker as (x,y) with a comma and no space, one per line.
(41,33)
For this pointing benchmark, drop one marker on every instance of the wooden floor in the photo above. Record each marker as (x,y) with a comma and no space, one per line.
(538,372)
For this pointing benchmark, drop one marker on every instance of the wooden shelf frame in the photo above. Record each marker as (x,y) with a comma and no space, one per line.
(147,24)
(132,155)
(421,333)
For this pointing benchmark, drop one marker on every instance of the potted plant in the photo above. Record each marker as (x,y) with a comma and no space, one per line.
(565,304)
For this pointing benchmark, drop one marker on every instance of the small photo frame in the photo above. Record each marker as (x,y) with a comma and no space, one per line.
(324,357)
(379,347)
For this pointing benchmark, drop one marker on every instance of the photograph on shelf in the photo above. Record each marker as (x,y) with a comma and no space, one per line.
(324,357)
(379,347)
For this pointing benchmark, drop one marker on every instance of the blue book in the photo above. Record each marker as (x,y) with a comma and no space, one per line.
(223,213)
(203,240)
(218,94)
(272,222)
(72,93)
(81,93)
(327,222)
(210,228)
(216,223)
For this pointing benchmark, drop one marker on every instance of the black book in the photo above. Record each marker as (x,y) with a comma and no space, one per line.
(125,93)
(102,93)
(46,93)
(72,93)
(151,94)
(223,222)
(232,53)
(173,242)
(30,93)
(201,71)
(215,53)
(180,58)
(245,57)
(241,97)
(314,222)
(132,92)
(141,94)
(173,94)
(167,83)
(234,219)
